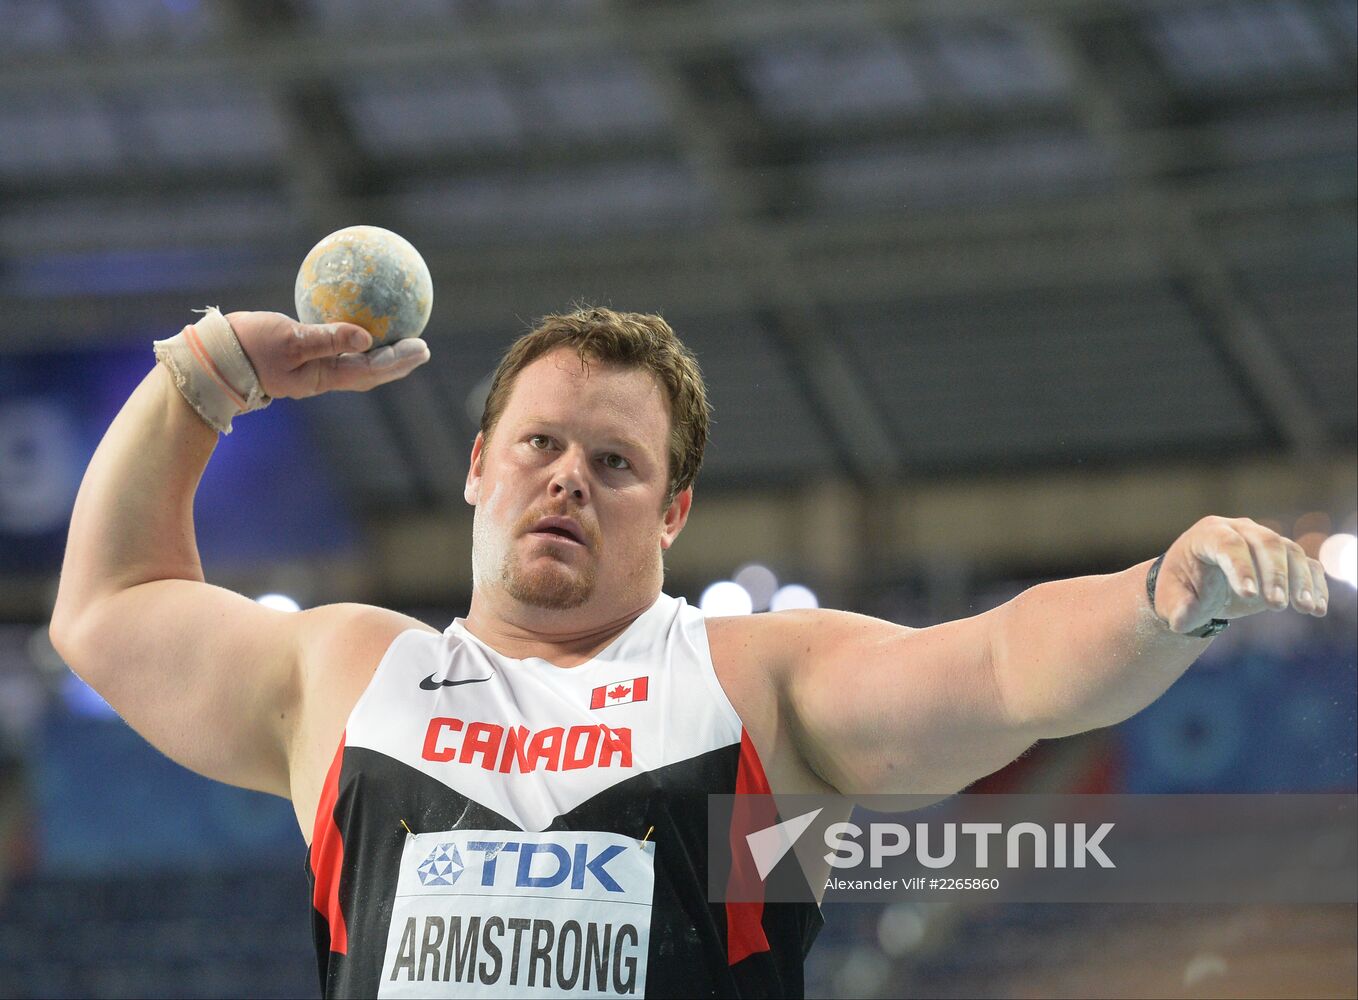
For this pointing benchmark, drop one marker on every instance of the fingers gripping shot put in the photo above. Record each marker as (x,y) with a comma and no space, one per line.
(516,805)
(357,289)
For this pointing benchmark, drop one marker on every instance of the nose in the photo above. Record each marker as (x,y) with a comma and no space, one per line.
(568,478)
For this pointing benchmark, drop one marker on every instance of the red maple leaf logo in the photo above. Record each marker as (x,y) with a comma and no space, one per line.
(619,692)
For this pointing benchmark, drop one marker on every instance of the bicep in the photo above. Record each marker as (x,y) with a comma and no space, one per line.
(878,707)
(207,676)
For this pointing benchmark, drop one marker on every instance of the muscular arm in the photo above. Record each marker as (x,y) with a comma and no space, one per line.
(871,707)
(211,678)
(1080,654)
(204,674)
(874,707)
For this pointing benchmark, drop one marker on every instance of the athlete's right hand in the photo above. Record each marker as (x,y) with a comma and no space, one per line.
(296,360)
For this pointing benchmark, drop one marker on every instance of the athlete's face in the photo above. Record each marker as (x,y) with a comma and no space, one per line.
(568,488)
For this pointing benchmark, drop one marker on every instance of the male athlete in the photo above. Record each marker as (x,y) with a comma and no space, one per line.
(516,806)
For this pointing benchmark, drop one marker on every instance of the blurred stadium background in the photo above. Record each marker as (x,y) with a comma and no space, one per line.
(987,293)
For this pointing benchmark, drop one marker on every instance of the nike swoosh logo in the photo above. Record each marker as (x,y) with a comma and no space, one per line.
(429,684)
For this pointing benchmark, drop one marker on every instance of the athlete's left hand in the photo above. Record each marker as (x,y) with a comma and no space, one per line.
(1231,567)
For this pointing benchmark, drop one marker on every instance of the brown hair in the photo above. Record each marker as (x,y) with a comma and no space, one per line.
(633,340)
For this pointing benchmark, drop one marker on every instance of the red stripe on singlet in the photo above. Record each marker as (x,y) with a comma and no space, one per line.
(745,920)
(327,857)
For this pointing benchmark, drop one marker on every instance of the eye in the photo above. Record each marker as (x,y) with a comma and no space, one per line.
(540,442)
(615,461)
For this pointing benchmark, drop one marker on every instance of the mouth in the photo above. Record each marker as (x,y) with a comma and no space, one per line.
(561,529)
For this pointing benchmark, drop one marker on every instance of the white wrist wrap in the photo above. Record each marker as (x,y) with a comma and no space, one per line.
(211,370)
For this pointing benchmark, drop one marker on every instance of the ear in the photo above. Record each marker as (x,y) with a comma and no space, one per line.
(676,516)
(472,491)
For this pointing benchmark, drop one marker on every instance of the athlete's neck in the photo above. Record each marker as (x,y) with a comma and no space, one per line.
(562,639)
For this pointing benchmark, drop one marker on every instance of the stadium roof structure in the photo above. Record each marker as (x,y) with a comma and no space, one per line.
(903,238)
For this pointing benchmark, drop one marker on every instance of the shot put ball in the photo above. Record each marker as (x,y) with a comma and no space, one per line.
(369,276)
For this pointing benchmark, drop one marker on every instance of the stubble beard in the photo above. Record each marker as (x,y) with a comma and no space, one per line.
(532,577)
(552,587)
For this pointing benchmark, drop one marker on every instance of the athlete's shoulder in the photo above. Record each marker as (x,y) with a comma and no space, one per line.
(778,640)
(340,625)
(340,647)
(758,635)
(343,643)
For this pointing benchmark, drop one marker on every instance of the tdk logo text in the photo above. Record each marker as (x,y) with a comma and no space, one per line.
(521,865)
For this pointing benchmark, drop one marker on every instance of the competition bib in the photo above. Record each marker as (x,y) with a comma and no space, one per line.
(499,913)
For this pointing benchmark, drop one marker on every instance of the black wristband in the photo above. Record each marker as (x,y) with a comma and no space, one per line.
(1215,627)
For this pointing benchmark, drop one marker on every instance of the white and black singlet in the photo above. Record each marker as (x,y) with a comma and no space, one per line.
(499,827)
